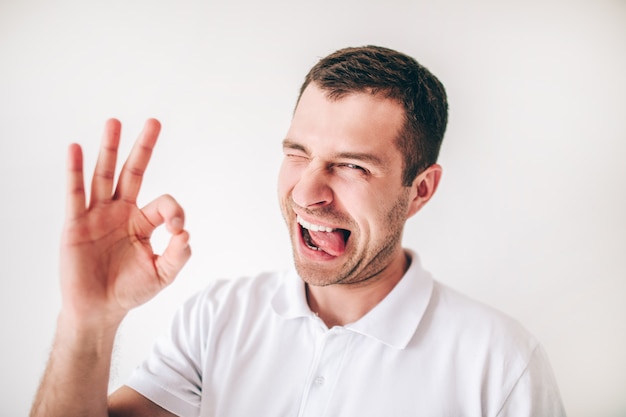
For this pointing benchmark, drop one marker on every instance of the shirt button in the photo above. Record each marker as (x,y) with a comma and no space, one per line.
(319,381)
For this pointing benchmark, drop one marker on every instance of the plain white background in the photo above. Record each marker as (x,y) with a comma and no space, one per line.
(530,216)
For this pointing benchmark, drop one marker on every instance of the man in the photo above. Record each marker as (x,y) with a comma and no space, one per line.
(357,329)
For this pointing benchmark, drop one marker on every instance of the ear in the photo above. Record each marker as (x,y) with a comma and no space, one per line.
(423,188)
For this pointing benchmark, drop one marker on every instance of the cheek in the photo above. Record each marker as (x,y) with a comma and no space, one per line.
(380,211)
(363,205)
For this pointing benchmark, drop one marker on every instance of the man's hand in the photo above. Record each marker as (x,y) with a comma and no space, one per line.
(107,268)
(107,262)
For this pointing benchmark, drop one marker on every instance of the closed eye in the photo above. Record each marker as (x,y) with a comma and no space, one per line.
(296,159)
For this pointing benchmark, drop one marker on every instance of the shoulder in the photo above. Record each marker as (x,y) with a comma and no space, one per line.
(473,313)
(248,290)
(477,326)
(486,348)
(225,300)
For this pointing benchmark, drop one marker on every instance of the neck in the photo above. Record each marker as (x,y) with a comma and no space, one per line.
(341,304)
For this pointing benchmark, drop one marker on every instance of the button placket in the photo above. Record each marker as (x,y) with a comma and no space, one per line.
(324,373)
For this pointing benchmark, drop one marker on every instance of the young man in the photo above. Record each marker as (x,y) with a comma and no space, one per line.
(358,328)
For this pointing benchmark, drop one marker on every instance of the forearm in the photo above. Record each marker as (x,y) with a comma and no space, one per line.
(75,382)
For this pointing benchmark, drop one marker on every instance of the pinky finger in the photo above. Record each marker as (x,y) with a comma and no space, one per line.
(75,200)
(176,254)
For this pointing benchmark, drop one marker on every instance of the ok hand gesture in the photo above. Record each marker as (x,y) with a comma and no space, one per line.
(107,262)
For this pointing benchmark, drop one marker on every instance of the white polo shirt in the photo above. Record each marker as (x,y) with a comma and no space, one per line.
(252,347)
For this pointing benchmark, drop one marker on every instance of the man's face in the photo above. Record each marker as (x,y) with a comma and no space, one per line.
(340,186)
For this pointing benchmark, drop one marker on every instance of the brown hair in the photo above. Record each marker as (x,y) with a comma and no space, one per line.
(399,77)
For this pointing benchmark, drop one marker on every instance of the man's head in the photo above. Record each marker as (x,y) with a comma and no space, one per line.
(396,76)
(359,160)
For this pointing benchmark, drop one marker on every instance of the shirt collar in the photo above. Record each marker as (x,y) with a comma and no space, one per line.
(395,319)
(392,322)
(289,301)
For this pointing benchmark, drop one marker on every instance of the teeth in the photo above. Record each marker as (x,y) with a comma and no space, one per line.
(313,227)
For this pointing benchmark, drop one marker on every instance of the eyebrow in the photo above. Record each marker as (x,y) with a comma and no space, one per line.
(358,156)
(290,144)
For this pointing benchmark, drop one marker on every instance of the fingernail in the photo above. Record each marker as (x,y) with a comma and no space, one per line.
(177,223)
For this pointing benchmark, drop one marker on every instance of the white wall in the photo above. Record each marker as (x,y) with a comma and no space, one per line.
(529,217)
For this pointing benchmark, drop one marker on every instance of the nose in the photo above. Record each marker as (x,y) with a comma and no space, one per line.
(313,187)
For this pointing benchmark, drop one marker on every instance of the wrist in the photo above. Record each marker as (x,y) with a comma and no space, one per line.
(80,332)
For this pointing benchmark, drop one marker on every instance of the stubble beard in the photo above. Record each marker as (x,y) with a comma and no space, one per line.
(361,266)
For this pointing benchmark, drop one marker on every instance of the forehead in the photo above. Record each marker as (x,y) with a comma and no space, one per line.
(359,121)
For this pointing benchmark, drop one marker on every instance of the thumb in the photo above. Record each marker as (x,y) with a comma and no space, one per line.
(176,254)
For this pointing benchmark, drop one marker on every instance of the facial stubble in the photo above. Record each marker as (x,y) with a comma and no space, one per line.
(363,265)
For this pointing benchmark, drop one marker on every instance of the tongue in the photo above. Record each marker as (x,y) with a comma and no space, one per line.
(332,243)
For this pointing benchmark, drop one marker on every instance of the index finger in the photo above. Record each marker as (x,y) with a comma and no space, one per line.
(133,170)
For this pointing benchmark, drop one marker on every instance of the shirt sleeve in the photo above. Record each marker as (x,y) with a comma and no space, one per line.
(171,376)
(536,392)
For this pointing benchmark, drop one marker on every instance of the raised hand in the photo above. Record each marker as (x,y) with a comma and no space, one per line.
(107,268)
(107,262)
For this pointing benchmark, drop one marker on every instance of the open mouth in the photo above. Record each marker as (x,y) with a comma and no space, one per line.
(323,238)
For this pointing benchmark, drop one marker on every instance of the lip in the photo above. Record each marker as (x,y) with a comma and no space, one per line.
(316,226)
(303,249)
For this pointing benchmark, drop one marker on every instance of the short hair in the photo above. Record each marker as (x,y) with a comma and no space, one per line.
(397,76)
